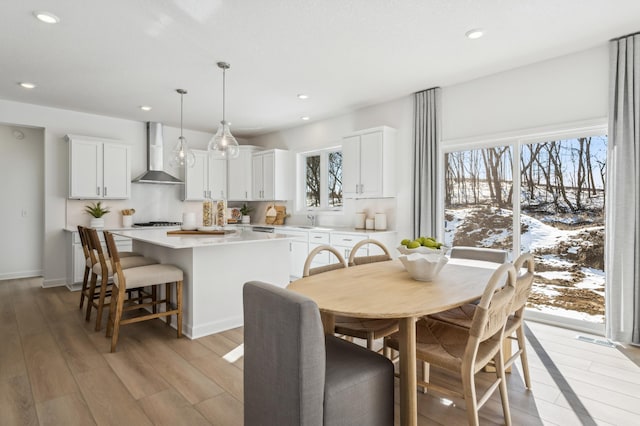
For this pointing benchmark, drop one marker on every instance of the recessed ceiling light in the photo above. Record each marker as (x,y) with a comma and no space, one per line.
(146,108)
(302,96)
(26,85)
(474,33)
(305,117)
(46,17)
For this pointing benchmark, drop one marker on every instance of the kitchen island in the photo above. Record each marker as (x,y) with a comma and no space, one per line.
(215,269)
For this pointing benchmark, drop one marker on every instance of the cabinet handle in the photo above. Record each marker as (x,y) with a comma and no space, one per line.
(347,239)
(246,194)
(105,191)
(204,194)
(317,237)
(97,190)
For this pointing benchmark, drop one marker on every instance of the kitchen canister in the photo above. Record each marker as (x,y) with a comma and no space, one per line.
(369,223)
(381,222)
(360,220)
(189,221)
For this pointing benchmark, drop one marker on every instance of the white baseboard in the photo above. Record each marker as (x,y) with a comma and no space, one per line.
(213,327)
(20,274)
(57,282)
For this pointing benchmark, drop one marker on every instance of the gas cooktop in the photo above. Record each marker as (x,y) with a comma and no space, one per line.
(156,224)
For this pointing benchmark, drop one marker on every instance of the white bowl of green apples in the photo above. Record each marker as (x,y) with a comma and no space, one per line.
(422,245)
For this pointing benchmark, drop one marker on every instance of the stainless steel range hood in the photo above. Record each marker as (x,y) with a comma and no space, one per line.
(155,159)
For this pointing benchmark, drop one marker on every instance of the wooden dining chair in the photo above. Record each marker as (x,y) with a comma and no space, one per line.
(467,350)
(462,316)
(361,260)
(88,264)
(101,267)
(155,275)
(362,328)
(307,270)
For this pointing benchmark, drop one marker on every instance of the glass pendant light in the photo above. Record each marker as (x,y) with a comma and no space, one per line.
(223,144)
(181,155)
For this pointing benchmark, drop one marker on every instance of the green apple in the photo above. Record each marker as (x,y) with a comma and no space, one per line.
(413,244)
(405,241)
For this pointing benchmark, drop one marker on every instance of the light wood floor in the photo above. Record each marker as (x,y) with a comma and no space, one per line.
(55,370)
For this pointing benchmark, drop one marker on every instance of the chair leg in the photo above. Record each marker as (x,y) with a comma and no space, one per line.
(90,296)
(154,296)
(469,390)
(179,307)
(500,372)
(426,370)
(522,345)
(103,295)
(167,297)
(112,315)
(119,302)
(85,286)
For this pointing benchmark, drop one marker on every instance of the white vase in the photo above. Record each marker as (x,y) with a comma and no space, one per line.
(246,218)
(97,222)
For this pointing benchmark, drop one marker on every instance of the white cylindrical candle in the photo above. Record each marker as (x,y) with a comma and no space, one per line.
(369,224)
(189,221)
(360,220)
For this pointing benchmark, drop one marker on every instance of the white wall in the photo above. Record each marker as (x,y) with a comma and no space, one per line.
(566,89)
(150,201)
(22,207)
(397,114)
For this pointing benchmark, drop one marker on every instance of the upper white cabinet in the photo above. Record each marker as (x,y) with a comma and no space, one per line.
(368,163)
(272,175)
(207,177)
(239,175)
(98,168)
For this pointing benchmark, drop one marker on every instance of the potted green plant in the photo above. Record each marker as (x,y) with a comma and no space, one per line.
(245,210)
(96,210)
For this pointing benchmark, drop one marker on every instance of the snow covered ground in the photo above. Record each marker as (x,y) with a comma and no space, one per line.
(565,283)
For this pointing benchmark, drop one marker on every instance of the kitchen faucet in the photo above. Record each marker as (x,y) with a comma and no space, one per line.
(312,219)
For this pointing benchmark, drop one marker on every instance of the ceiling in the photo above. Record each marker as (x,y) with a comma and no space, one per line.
(111,57)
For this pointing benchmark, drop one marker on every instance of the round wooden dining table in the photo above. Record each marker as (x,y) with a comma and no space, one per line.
(386,290)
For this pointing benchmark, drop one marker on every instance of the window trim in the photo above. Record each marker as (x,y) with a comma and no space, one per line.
(301,169)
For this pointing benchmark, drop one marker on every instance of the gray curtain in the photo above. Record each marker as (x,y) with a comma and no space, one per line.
(622,248)
(426,139)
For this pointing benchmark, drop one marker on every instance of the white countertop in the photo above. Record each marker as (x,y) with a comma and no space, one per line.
(159,237)
(345,229)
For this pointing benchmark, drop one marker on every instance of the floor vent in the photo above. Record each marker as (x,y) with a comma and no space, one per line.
(601,342)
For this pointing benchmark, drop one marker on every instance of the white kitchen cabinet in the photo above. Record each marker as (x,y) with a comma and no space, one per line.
(272,175)
(207,177)
(345,242)
(98,168)
(298,251)
(368,163)
(239,175)
(75,269)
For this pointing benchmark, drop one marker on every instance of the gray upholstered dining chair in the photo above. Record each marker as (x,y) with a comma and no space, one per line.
(478,253)
(294,375)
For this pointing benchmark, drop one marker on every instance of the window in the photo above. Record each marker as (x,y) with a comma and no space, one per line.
(322,177)
(549,188)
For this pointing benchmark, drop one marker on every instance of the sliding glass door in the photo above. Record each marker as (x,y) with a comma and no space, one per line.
(559,211)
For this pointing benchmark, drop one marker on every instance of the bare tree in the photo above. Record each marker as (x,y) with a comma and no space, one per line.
(313,181)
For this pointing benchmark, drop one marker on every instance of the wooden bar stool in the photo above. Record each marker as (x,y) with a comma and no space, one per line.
(136,278)
(88,264)
(101,266)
